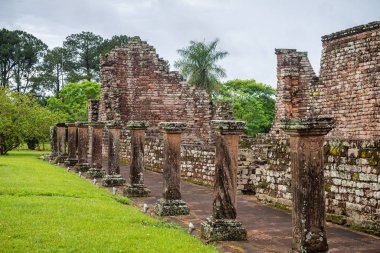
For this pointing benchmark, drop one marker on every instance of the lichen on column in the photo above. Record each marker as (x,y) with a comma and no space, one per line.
(61,136)
(113,177)
(136,188)
(72,144)
(171,202)
(308,212)
(53,143)
(83,164)
(96,167)
(222,225)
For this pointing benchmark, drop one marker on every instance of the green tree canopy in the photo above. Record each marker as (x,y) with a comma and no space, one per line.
(23,119)
(199,64)
(82,54)
(73,99)
(252,102)
(20,55)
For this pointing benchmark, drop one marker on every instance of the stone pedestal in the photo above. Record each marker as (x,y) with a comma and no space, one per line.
(72,145)
(61,136)
(96,170)
(113,177)
(222,225)
(136,188)
(308,213)
(83,165)
(53,144)
(171,203)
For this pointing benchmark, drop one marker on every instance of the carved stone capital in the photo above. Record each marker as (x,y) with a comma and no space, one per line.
(172,127)
(228,127)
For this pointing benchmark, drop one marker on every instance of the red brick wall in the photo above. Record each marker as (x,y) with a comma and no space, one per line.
(295,78)
(350,73)
(137,85)
(348,87)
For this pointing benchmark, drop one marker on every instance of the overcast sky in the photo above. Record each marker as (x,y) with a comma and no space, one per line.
(248,30)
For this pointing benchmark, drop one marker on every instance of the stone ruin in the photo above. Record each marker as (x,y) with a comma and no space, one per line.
(136,85)
(348,88)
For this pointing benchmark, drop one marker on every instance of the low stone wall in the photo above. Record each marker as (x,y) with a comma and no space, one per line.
(197,161)
(353,183)
(352,178)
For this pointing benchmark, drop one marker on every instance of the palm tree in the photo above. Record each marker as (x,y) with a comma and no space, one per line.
(198,64)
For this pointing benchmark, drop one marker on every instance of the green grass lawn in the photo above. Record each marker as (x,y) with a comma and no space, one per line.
(44,208)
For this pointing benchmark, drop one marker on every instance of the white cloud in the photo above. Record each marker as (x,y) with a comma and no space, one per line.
(248,30)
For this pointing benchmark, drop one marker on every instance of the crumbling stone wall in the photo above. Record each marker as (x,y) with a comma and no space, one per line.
(136,85)
(350,71)
(348,89)
(296,86)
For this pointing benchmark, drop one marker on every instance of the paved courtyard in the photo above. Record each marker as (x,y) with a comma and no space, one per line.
(269,229)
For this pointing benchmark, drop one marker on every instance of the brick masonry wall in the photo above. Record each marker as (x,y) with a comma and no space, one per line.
(136,85)
(348,89)
(350,71)
(352,177)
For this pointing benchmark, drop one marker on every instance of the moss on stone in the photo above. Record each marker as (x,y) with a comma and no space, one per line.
(355,176)
(334,151)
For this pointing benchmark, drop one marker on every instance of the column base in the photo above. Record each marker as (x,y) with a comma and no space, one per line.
(95,173)
(70,162)
(52,159)
(113,180)
(61,159)
(171,207)
(223,230)
(82,167)
(136,190)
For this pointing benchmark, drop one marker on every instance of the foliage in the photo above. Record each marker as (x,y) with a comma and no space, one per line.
(20,55)
(82,54)
(115,41)
(47,209)
(51,71)
(252,102)
(198,64)
(22,119)
(72,100)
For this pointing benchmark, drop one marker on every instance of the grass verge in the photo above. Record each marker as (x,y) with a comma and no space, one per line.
(43,208)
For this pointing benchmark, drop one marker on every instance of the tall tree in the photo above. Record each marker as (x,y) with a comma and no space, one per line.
(29,55)
(23,119)
(20,55)
(73,98)
(8,41)
(252,102)
(52,74)
(199,64)
(115,41)
(82,55)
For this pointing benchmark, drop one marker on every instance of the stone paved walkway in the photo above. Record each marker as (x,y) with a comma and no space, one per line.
(269,229)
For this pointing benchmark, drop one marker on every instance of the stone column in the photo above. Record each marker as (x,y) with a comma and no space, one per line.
(136,188)
(82,164)
(222,225)
(72,145)
(53,144)
(61,136)
(113,177)
(171,203)
(308,213)
(96,165)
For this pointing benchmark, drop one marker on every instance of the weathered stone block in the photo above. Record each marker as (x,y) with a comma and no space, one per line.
(223,230)
(171,207)
(136,190)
